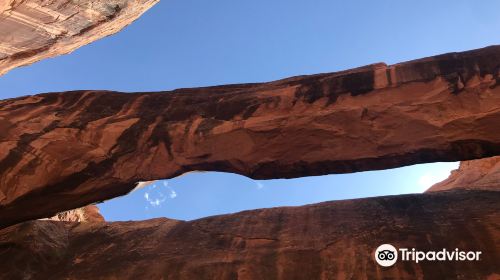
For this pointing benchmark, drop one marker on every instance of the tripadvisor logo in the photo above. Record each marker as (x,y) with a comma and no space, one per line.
(387,255)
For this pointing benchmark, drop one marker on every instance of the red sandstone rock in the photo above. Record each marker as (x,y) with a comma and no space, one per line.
(31,30)
(483,174)
(77,148)
(87,214)
(331,240)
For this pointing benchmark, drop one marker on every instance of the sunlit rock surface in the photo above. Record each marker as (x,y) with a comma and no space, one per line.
(87,214)
(330,240)
(481,174)
(80,147)
(31,30)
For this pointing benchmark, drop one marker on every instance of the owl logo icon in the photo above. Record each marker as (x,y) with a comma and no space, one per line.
(386,255)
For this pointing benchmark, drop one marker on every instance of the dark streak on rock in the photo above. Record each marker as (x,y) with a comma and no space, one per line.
(250,110)
(23,145)
(207,125)
(388,76)
(102,106)
(355,83)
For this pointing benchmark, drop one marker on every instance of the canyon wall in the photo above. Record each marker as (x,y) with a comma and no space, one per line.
(330,240)
(31,30)
(60,151)
(77,148)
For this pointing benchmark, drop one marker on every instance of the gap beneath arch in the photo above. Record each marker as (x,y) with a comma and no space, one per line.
(201,194)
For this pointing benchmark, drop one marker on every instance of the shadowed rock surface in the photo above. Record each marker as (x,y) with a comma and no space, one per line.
(481,174)
(331,240)
(31,30)
(77,148)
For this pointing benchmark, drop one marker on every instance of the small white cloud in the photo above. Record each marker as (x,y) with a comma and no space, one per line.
(173,194)
(260,185)
(156,196)
(156,201)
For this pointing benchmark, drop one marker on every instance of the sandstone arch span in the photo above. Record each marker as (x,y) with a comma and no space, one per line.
(80,147)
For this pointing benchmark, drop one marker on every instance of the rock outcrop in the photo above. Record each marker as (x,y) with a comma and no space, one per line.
(77,148)
(31,30)
(87,214)
(480,174)
(331,240)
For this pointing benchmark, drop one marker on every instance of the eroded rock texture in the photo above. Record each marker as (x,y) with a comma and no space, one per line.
(31,30)
(331,240)
(77,148)
(483,174)
(87,214)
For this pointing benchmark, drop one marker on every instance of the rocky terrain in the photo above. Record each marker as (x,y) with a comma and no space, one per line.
(483,174)
(330,240)
(85,214)
(61,151)
(31,30)
(80,147)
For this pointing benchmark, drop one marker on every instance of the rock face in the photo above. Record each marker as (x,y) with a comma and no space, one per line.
(31,30)
(87,214)
(77,148)
(483,174)
(331,240)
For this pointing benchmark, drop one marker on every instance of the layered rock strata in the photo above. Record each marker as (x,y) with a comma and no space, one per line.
(31,30)
(77,148)
(331,240)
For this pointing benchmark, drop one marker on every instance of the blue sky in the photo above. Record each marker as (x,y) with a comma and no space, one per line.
(202,194)
(198,43)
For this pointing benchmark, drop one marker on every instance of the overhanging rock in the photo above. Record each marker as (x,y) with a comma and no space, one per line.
(61,151)
(32,30)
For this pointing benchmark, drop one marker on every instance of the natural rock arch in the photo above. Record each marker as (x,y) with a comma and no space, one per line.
(80,147)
